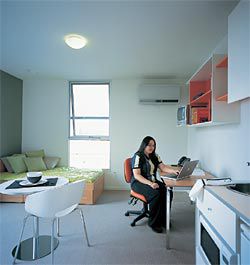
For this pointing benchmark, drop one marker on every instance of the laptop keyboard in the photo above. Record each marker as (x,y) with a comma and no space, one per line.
(172,176)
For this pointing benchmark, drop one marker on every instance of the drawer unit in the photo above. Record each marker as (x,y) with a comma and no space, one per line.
(245,244)
(220,217)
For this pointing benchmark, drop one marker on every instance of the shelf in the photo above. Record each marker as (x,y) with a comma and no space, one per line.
(208,96)
(202,124)
(208,123)
(205,98)
(222,98)
(223,63)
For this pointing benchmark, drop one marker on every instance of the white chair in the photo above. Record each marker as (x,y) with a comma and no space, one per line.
(53,204)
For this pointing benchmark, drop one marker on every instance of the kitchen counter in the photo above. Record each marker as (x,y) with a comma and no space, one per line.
(237,202)
(222,217)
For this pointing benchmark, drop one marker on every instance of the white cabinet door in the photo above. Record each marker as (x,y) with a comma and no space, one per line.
(239,52)
(245,244)
(220,217)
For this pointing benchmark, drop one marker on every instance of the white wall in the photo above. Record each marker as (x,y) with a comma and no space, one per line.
(45,117)
(45,124)
(223,150)
(131,122)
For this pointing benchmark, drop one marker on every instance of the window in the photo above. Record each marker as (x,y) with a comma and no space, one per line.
(89,125)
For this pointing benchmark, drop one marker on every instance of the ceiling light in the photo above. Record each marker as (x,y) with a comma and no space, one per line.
(75,41)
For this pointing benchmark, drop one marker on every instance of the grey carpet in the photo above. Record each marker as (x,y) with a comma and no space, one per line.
(112,238)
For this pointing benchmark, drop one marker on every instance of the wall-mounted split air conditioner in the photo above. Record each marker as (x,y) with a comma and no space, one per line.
(158,94)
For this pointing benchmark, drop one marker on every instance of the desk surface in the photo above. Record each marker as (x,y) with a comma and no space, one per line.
(187,182)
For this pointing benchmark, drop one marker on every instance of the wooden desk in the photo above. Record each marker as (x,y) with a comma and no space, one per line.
(188,183)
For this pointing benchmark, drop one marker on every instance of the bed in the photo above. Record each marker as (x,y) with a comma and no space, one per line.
(94,180)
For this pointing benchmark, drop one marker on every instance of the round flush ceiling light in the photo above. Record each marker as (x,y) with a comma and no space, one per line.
(75,41)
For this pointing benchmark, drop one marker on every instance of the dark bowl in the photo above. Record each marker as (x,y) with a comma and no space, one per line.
(34,179)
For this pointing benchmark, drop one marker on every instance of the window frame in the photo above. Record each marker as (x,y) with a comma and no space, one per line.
(73,117)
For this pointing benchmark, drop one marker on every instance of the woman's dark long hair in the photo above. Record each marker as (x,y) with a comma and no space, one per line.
(144,144)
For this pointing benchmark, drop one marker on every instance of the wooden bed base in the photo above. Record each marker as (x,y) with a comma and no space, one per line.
(92,192)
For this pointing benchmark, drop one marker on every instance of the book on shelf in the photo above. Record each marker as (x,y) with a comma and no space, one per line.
(199,115)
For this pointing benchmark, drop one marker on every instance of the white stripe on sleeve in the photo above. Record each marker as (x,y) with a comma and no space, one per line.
(137,159)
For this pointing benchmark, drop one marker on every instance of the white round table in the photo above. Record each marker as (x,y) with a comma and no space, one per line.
(37,246)
(29,190)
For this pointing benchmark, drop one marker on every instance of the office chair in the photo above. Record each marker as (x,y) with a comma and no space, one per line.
(53,204)
(134,195)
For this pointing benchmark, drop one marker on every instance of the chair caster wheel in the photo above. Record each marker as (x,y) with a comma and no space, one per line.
(132,224)
(126,214)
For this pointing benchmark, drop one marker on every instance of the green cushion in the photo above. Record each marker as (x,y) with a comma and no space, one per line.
(7,164)
(34,163)
(38,153)
(17,163)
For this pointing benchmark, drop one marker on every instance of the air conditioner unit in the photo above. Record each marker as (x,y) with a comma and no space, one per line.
(158,94)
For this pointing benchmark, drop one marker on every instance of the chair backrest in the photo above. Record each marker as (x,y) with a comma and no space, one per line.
(127,170)
(48,203)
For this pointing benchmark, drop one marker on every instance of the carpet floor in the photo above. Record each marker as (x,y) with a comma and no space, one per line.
(112,239)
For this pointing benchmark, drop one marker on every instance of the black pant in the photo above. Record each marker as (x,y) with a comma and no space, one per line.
(156,199)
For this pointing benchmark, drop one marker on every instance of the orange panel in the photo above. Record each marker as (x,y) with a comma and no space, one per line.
(196,88)
(223,63)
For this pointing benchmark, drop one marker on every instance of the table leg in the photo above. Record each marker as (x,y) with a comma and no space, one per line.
(35,237)
(168,217)
(35,247)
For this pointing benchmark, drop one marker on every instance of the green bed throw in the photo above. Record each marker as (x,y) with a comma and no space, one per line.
(71,173)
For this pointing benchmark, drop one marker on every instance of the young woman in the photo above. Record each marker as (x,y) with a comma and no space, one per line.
(144,166)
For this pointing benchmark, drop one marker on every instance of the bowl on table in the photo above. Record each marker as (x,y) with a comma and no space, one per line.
(34,177)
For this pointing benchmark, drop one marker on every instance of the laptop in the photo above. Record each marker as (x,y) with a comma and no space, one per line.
(185,172)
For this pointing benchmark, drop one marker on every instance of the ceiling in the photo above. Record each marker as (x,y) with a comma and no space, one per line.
(127,39)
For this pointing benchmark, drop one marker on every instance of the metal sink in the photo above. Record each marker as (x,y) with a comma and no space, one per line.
(243,188)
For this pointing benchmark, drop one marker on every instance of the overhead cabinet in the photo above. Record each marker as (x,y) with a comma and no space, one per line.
(239,52)
(208,94)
